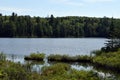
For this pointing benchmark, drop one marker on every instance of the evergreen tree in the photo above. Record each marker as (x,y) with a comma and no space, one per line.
(71,26)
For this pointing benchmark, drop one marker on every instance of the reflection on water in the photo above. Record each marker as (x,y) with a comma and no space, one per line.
(82,66)
(36,66)
(15,58)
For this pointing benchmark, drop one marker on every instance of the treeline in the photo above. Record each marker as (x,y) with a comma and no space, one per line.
(71,26)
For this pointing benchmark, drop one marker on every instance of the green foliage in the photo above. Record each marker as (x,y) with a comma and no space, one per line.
(2,56)
(57,57)
(13,71)
(96,52)
(109,60)
(112,45)
(83,58)
(56,69)
(67,58)
(84,75)
(62,71)
(71,26)
(35,56)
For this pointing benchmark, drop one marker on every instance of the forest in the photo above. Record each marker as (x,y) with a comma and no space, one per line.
(15,26)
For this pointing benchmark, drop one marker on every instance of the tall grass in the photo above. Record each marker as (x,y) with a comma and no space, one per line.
(67,58)
(2,56)
(35,56)
(60,71)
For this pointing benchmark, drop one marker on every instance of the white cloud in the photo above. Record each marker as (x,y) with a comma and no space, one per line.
(11,9)
(67,2)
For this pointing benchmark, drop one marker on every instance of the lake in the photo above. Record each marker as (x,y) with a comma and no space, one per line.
(70,46)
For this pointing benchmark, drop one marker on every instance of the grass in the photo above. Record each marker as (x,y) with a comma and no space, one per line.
(109,60)
(67,58)
(83,58)
(60,58)
(13,71)
(55,69)
(2,56)
(35,56)
(62,71)
(58,71)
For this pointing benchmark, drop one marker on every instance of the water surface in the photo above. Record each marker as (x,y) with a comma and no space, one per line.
(16,48)
(70,46)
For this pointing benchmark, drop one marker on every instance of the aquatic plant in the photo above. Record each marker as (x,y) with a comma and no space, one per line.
(35,56)
(62,58)
(83,58)
(67,58)
(59,71)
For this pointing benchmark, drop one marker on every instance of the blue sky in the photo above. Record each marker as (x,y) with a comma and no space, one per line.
(43,8)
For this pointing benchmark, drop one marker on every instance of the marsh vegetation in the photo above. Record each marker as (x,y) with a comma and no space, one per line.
(61,68)
(59,71)
(35,56)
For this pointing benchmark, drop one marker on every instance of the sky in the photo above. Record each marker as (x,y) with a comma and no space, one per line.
(44,8)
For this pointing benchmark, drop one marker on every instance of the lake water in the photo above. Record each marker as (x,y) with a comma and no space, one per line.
(70,46)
